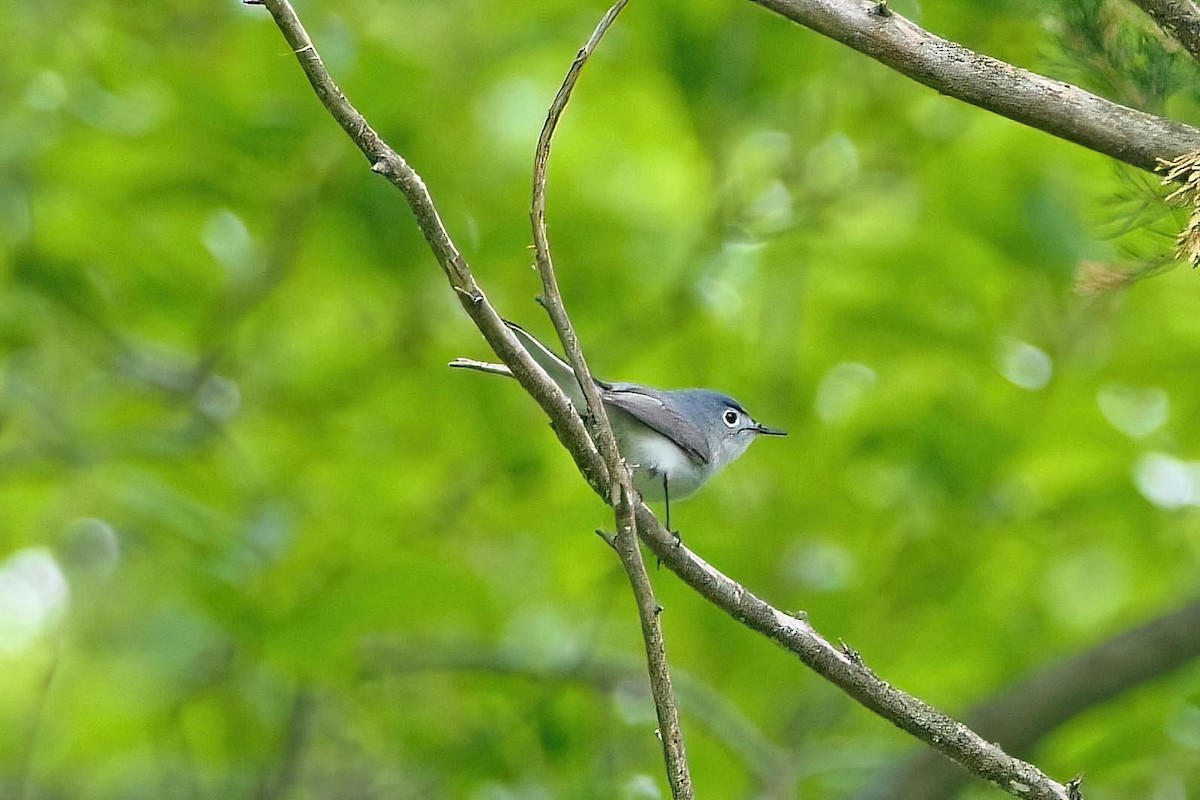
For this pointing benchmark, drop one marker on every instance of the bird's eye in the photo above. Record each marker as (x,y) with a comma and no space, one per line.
(731,417)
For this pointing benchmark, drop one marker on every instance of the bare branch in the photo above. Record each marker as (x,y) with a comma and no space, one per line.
(1058,108)
(794,633)
(1025,712)
(622,497)
(847,671)
(481,366)
(552,297)
(1180,19)
(385,161)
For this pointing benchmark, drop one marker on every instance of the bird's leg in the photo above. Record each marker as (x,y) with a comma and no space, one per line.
(667,498)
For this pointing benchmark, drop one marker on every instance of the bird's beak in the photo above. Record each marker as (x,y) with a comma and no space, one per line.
(763,430)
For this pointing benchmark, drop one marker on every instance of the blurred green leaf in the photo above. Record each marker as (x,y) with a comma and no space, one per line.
(226,421)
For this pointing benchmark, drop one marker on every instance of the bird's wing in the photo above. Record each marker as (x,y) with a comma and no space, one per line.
(650,410)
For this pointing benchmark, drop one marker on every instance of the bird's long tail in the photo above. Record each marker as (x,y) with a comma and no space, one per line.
(559,371)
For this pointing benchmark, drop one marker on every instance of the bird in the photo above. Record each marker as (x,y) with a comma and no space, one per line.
(674,440)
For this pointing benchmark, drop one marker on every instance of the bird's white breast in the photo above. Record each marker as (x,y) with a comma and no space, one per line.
(651,456)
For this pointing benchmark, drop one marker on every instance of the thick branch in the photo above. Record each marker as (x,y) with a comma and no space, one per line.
(1058,108)
(622,497)
(794,633)
(1021,715)
(1179,18)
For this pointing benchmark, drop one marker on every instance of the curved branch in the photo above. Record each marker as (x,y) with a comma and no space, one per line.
(621,494)
(1057,108)
(1180,19)
(844,669)
(1028,710)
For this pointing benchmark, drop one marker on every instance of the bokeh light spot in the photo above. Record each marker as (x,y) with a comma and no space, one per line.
(1025,365)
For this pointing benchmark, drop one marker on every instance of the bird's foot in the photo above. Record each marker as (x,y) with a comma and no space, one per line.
(677,544)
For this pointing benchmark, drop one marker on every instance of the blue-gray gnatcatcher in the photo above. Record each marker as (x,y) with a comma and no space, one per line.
(674,440)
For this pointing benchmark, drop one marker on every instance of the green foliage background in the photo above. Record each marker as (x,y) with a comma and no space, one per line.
(304,559)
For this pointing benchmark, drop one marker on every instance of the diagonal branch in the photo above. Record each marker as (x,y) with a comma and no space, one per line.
(388,163)
(1028,710)
(846,669)
(621,494)
(1180,19)
(1057,108)
(794,633)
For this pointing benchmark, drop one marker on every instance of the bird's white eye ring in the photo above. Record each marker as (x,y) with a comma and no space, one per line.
(731,417)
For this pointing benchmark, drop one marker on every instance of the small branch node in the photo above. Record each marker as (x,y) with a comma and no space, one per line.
(850,653)
(609,538)
(472,296)
(881,9)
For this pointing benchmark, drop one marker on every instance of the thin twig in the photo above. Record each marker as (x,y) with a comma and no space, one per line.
(793,633)
(482,366)
(670,731)
(552,297)
(1057,108)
